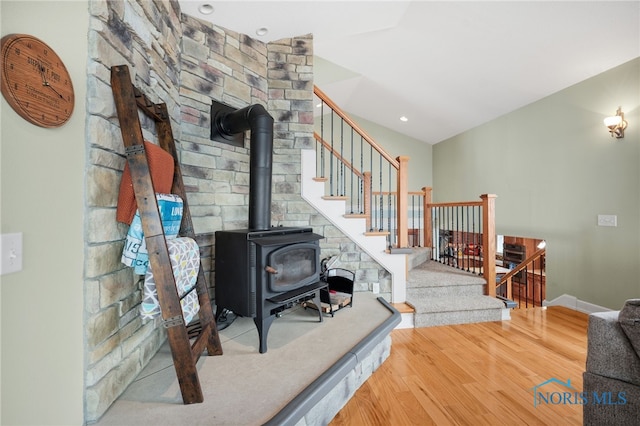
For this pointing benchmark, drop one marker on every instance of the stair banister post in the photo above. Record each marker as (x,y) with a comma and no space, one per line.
(426,208)
(366,198)
(402,208)
(489,241)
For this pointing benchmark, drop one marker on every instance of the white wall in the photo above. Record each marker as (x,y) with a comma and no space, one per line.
(42,196)
(554,168)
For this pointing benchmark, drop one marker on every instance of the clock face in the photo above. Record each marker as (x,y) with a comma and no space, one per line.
(35,81)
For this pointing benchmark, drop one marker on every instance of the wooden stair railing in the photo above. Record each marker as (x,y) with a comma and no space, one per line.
(398,165)
(400,194)
(128,101)
(507,279)
(463,235)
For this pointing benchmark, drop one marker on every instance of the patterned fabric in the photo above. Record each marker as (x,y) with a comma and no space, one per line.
(135,249)
(185,262)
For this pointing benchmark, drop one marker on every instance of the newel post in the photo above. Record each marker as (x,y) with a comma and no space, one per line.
(403,203)
(489,241)
(428,220)
(366,198)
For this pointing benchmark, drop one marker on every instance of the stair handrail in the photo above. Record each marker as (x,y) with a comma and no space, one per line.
(426,220)
(506,279)
(400,164)
(487,205)
(343,160)
(320,94)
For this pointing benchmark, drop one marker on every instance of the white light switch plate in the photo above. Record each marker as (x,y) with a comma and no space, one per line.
(607,220)
(11,253)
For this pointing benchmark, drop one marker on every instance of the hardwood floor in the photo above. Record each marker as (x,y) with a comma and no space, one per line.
(480,374)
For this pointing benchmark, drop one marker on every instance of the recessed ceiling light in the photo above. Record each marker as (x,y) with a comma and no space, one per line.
(262,31)
(403,118)
(206,9)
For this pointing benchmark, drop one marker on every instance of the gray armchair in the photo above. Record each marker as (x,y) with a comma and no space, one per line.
(612,376)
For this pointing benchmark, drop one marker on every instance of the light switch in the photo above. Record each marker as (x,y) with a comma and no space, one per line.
(11,253)
(607,220)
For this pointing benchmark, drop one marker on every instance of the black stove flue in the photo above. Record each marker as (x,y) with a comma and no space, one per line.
(261,270)
(258,120)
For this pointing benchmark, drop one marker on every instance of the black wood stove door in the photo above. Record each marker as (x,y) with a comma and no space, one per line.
(292,266)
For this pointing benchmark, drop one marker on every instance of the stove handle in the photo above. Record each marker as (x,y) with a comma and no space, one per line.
(271,270)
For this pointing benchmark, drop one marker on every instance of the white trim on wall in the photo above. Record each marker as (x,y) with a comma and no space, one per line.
(576,304)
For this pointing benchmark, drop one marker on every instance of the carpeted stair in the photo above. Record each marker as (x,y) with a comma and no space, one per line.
(443,295)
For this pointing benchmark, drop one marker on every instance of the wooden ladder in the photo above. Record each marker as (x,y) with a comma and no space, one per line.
(128,100)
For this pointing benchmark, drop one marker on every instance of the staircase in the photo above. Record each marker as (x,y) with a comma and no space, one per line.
(358,169)
(443,295)
(355,228)
(440,294)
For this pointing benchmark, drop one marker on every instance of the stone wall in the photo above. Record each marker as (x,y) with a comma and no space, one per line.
(143,35)
(237,70)
(186,63)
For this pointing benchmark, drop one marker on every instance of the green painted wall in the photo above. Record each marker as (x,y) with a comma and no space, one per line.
(396,144)
(554,168)
(42,196)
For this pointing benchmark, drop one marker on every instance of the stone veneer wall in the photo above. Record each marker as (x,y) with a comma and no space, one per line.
(186,63)
(145,36)
(237,70)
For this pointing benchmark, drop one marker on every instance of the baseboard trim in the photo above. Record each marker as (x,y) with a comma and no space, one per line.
(576,304)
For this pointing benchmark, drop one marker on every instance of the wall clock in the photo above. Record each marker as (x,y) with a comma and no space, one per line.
(35,81)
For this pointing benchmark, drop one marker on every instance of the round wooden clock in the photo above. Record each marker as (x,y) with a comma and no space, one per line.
(35,81)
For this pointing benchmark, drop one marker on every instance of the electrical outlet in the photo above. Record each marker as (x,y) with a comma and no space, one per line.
(607,220)
(11,253)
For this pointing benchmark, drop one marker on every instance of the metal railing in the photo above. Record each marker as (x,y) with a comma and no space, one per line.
(357,169)
(524,284)
(462,235)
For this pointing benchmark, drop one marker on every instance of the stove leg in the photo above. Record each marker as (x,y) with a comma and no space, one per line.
(263,325)
(318,303)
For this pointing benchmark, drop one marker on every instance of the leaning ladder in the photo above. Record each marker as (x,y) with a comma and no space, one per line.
(128,100)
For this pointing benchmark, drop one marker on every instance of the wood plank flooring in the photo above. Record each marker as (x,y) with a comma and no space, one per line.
(476,374)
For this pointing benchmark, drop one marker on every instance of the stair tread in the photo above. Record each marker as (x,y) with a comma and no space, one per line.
(434,274)
(419,293)
(418,256)
(453,304)
(403,308)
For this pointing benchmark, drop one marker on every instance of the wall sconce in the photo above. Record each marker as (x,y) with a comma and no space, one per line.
(616,124)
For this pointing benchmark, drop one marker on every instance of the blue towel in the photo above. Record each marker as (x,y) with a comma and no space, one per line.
(135,249)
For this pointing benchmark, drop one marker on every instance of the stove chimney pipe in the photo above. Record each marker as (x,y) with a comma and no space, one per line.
(257,119)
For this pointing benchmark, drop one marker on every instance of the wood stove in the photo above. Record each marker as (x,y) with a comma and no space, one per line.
(261,273)
(262,270)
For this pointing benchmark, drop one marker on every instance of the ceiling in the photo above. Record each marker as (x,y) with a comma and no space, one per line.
(447,66)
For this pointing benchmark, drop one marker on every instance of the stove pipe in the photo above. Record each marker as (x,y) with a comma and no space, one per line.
(258,120)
